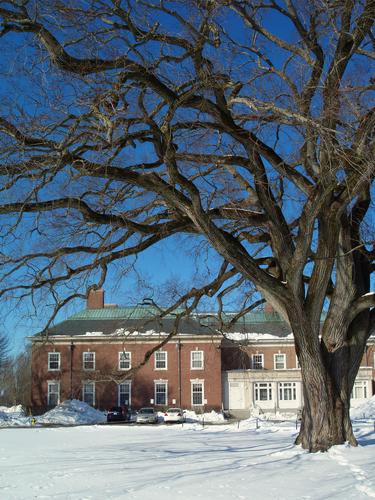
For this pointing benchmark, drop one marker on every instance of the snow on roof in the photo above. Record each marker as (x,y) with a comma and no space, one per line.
(241,336)
(136,333)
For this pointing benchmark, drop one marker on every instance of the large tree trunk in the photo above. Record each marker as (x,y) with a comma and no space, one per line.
(327,378)
(326,387)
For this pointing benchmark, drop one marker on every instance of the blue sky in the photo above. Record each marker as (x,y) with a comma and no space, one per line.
(178,260)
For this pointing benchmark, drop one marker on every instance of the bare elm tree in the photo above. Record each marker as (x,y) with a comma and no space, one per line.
(248,125)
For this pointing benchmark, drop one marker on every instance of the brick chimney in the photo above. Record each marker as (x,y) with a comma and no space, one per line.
(95,299)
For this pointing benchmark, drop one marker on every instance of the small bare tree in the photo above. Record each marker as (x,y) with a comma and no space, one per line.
(4,350)
(244,124)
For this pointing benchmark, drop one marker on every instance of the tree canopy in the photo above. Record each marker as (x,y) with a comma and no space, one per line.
(248,124)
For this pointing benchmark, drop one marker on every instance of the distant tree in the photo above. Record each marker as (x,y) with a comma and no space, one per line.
(4,349)
(15,380)
(248,125)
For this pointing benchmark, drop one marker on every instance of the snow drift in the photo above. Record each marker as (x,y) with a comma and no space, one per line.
(72,412)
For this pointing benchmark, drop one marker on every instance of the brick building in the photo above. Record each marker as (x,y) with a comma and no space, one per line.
(260,369)
(92,355)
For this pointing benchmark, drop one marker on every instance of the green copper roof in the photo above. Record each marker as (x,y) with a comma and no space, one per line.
(130,312)
(142,311)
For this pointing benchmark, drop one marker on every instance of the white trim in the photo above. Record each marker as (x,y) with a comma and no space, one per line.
(284,388)
(298,366)
(129,383)
(93,361)
(267,386)
(275,363)
(360,390)
(201,360)
(51,383)
(192,382)
(165,383)
(88,382)
(261,355)
(103,339)
(165,360)
(49,361)
(129,360)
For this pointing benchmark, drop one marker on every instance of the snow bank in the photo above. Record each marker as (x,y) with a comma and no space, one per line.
(365,410)
(13,416)
(212,417)
(72,412)
(18,409)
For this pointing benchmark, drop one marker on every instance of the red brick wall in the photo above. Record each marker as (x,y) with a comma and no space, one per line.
(106,373)
(240,358)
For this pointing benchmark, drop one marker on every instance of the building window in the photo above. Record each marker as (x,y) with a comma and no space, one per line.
(257,361)
(161,389)
(298,366)
(124,360)
(53,361)
(160,360)
(124,394)
(279,361)
(288,391)
(88,393)
(53,395)
(359,390)
(263,391)
(197,393)
(89,360)
(196,360)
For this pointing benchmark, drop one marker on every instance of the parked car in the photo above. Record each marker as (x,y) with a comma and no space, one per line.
(116,414)
(147,416)
(174,415)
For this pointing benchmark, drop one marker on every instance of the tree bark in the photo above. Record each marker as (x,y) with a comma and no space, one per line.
(326,389)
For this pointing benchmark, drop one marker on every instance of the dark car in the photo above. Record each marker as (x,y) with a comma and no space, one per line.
(116,414)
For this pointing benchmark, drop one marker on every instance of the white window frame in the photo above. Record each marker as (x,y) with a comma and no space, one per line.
(156,360)
(362,386)
(259,388)
(298,366)
(128,383)
(127,359)
(286,388)
(275,362)
(51,383)
(91,353)
(253,362)
(50,354)
(200,361)
(85,383)
(165,384)
(196,383)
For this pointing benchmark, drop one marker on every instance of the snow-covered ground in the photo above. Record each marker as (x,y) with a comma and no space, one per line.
(187,462)
(227,461)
